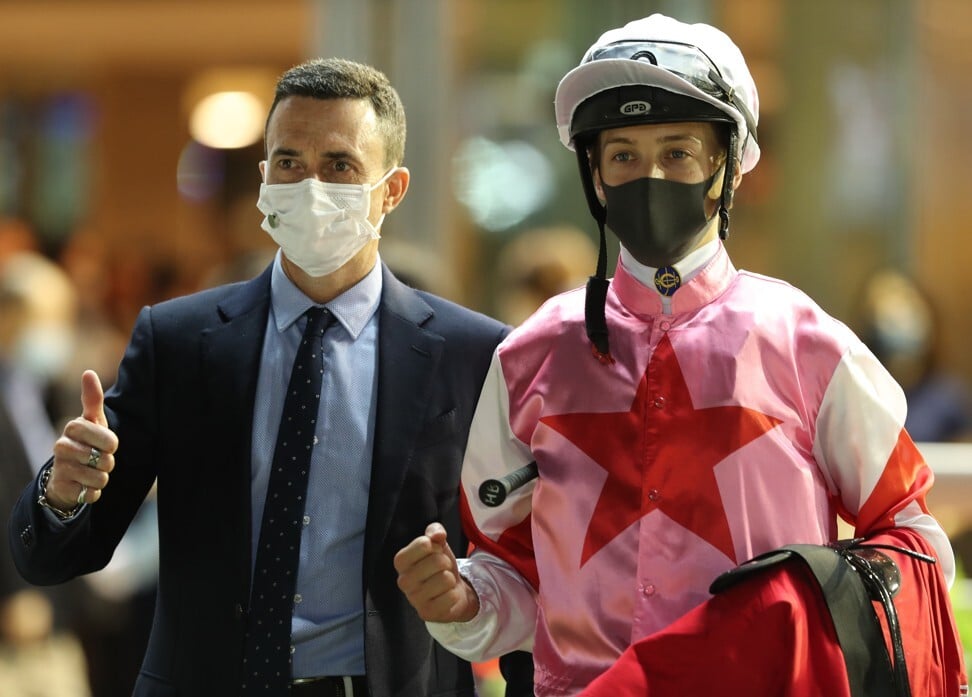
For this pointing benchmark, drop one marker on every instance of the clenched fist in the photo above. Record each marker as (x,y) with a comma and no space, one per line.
(429,577)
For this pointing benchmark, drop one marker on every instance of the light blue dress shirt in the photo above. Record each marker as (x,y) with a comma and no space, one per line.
(328,623)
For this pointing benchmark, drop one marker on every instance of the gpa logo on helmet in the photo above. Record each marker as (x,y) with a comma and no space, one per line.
(635,108)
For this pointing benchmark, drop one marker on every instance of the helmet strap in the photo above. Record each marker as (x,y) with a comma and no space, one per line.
(597,285)
(725,201)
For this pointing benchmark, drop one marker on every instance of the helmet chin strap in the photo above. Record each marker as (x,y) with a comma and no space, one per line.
(597,285)
(725,201)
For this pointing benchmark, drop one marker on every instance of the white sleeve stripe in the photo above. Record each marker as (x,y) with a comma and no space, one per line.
(858,425)
(493,451)
(857,429)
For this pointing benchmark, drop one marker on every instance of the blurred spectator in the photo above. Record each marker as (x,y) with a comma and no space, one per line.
(900,324)
(538,264)
(37,306)
(38,657)
(47,337)
(36,660)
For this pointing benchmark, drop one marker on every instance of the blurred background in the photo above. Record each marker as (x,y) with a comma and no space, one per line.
(130,133)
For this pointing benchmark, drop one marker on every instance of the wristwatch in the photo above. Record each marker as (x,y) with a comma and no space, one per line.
(44,503)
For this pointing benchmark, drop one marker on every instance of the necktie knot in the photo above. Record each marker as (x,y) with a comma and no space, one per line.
(318,320)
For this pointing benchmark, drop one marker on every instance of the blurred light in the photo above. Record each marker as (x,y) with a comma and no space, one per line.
(225,107)
(501,183)
(227,120)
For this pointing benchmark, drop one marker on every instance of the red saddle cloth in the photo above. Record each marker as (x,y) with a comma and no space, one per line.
(772,635)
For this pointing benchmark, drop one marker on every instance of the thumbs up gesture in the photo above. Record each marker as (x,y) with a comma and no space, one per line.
(84,455)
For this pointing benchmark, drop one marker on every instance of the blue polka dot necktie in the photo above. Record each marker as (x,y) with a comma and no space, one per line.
(267,658)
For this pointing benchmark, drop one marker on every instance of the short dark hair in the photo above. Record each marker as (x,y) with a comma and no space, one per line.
(337,78)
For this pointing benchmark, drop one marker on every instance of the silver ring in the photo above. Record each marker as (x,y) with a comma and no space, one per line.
(94,457)
(84,490)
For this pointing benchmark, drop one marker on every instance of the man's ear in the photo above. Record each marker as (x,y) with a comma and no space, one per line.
(395,187)
(263,170)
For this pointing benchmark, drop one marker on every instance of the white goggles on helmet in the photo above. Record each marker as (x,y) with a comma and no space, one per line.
(682,60)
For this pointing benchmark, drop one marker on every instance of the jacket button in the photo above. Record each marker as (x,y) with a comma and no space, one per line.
(238,611)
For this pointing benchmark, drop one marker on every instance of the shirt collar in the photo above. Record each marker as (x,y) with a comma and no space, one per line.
(353,308)
(687,267)
(709,280)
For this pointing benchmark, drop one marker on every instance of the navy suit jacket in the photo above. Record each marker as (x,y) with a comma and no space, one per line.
(183,411)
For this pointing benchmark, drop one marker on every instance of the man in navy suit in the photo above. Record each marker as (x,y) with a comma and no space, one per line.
(197,405)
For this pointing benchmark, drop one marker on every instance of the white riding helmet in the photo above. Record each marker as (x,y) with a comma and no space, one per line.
(692,60)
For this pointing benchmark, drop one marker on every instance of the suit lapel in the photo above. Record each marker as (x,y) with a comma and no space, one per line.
(408,356)
(231,359)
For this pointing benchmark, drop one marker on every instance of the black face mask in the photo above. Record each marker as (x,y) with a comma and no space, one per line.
(657,220)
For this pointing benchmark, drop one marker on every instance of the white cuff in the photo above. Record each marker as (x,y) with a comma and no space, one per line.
(507,612)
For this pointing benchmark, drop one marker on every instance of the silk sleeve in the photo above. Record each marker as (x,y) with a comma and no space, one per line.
(879,476)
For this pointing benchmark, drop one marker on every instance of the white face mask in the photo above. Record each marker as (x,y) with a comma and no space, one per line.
(320,226)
